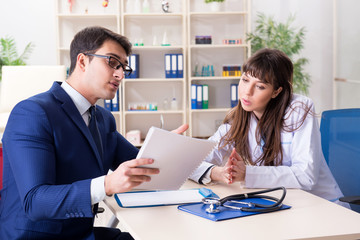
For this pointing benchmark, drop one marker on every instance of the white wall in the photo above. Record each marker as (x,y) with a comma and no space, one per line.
(316,17)
(35,21)
(31,21)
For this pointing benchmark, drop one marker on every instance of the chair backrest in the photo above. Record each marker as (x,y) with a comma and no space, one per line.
(21,82)
(1,169)
(340,140)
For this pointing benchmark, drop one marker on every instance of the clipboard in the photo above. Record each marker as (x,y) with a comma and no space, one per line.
(199,209)
(162,198)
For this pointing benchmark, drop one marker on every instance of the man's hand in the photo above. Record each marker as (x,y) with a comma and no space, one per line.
(181,129)
(129,175)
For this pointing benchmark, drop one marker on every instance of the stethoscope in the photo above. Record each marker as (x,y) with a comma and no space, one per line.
(215,203)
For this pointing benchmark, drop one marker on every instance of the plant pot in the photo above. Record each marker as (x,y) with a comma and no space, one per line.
(215,6)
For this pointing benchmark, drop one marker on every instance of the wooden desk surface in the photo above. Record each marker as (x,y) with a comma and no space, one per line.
(310,217)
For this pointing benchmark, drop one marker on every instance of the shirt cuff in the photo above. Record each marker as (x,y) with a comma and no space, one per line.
(206,179)
(97,190)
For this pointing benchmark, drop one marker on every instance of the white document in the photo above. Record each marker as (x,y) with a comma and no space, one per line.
(158,198)
(176,155)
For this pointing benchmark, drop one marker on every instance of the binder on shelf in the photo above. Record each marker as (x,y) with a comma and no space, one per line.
(205,102)
(115,102)
(167,62)
(233,94)
(107,104)
(199,96)
(180,65)
(134,64)
(173,65)
(193,96)
(128,60)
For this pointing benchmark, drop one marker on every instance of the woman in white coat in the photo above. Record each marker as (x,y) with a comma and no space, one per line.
(271,138)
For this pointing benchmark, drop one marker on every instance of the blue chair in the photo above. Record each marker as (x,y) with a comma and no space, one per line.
(340,140)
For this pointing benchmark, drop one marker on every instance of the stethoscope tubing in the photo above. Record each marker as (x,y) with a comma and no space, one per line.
(258,194)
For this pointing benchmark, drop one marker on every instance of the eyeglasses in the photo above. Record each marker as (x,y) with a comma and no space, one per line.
(113,63)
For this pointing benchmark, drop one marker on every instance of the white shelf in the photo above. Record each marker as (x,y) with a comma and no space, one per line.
(187,19)
(215,78)
(145,112)
(231,23)
(218,13)
(152,86)
(171,47)
(199,46)
(72,16)
(209,110)
(131,80)
(153,14)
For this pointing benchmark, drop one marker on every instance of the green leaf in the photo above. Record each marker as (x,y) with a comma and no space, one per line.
(282,36)
(9,55)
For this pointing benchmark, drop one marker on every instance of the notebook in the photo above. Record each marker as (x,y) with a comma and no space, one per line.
(176,155)
(162,198)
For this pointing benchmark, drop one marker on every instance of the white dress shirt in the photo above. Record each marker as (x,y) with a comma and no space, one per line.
(97,187)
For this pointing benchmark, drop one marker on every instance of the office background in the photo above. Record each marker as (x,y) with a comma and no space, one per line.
(34,21)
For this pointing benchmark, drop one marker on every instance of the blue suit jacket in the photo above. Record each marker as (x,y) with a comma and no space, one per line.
(50,158)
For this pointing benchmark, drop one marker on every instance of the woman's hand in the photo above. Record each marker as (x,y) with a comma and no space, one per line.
(222,174)
(238,168)
(233,171)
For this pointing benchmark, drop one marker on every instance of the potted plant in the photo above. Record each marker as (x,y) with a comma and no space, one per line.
(215,5)
(271,34)
(9,55)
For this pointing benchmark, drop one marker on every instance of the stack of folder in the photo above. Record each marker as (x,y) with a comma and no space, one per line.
(113,104)
(134,62)
(231,71)
(234,98)
(199,96)
(174,65)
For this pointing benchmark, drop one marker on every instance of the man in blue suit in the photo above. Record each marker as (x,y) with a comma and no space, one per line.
(54,169)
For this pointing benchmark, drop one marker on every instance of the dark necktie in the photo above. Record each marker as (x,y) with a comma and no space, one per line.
(95,130)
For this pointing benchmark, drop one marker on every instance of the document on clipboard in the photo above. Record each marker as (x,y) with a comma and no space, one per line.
(176,156)
(162,198)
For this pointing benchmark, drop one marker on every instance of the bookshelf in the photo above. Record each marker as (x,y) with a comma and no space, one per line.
(231,22)
(156,33)
(153,34)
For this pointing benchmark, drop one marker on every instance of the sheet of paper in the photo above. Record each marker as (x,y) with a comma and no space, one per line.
(158,198)
(177,156)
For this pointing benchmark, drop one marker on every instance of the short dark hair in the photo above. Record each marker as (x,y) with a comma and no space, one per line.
(91,39)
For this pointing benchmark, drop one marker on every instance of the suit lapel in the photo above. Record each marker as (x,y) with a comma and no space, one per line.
(73,113)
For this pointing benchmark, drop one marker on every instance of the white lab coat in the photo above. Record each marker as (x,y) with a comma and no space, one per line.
(303,163)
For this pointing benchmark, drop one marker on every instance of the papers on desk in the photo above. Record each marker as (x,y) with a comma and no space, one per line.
(176,155)
(160,198)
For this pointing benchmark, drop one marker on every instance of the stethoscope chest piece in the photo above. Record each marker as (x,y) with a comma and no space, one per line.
(213,203)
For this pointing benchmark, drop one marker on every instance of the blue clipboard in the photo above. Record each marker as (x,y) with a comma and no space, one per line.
(199,209)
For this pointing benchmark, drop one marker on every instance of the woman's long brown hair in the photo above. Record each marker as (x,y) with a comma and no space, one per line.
(275,68)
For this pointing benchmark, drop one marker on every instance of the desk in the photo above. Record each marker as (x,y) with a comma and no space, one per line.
(310,217)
